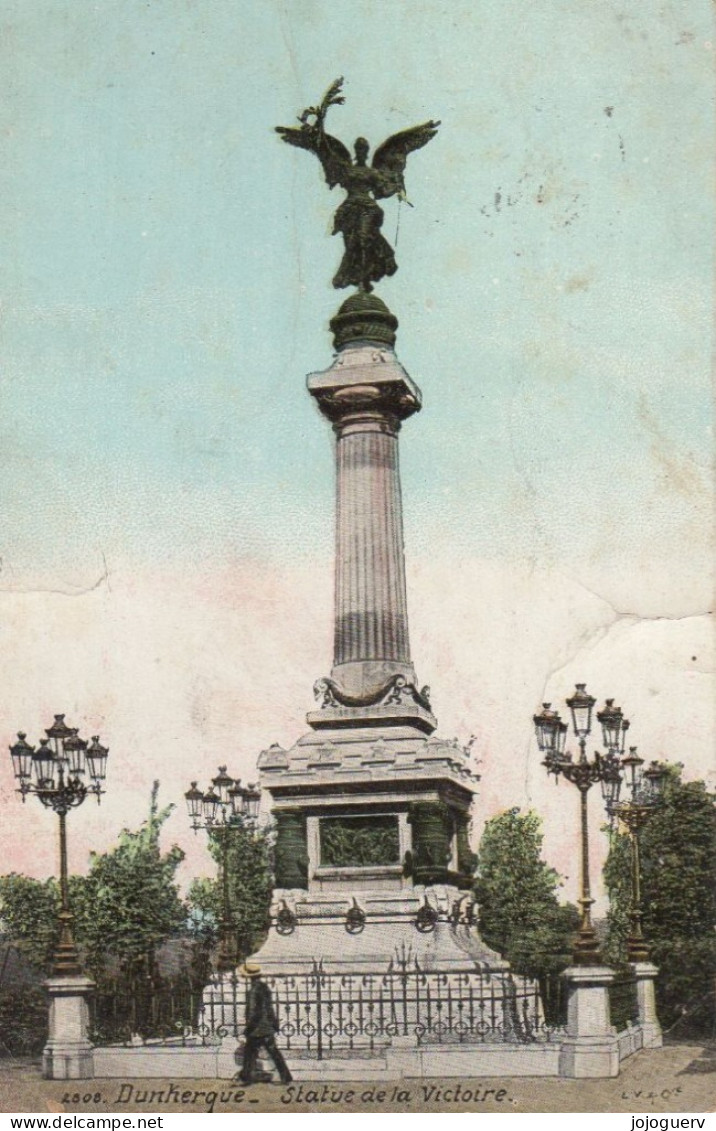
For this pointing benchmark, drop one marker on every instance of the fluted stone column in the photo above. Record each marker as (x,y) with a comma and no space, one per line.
(371,615)
(366,394)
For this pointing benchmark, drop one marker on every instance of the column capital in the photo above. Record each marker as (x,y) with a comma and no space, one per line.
(365,385)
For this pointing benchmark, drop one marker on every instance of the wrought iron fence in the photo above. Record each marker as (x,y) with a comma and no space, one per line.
(554,992)
(125,1010)
(623,1004)
(322,1013)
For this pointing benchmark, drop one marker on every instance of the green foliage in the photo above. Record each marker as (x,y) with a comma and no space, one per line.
(617,880)
(23,1020)
(520,914)
(129,902)
(248,857)
(678,849)
(359,841)
(28,914)
(125,907)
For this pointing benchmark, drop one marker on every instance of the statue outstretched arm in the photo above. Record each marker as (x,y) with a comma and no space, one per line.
(331,152)
(391,157)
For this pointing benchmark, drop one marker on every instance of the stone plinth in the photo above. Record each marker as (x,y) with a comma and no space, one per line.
(358,916)
(645,973)
(68,1052)
(591,1048)
(416,789)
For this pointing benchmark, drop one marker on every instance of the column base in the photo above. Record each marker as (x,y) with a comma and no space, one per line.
(652,1037)
(645,973)
(68,1061)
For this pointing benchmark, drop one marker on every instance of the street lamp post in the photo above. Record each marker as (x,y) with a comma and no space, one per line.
(225,806)
(551,737)
(645,791)
(57,773)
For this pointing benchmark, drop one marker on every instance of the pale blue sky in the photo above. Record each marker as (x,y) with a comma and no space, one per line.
(166,275)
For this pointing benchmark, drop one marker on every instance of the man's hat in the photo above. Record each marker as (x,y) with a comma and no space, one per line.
(249,970)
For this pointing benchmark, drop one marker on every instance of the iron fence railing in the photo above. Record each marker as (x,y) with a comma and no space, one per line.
(125,1010)
(623,1003)
(323,1013)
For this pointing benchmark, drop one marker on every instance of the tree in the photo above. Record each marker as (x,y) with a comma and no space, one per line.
(28,916)
(129,903)
(124,909)
(520,914)
(250,884)
(678,849)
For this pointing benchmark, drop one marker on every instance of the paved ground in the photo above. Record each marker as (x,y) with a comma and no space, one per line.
(677,1078)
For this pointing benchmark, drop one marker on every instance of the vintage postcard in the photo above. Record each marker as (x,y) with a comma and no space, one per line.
(357,557)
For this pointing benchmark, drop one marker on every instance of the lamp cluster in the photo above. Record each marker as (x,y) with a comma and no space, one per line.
(611,770)
(222,810)
(63,769)
(225,801)
(645,789)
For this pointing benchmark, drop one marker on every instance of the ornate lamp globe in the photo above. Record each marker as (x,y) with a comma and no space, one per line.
(97,760)
(212,806)
(631,765)
(44,764)
(74,750)
(252,800)
(58,733)
(237,796)
(550,730)
(222,783)
(581,705)
(656,776)
(21,754)
(610,718)
(611,781)
(194,802)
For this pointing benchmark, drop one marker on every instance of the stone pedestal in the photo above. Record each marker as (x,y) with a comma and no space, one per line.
(590,1048)
(373,943)
(645,974)
(68,1052)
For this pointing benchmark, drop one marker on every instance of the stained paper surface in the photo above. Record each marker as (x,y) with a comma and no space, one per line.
(167,525)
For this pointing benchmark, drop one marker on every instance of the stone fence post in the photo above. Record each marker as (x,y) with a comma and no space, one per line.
(591,1048)
(68,1052)
(645,973)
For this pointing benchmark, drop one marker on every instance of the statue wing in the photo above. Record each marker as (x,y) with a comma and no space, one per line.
(331,152)
(390,158)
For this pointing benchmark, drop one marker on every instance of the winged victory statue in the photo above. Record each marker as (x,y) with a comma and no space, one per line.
(368,256)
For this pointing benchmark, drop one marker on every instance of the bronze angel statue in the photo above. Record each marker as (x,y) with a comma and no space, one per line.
(368,256)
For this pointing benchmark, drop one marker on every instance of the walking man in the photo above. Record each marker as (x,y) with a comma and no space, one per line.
(261,1025)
